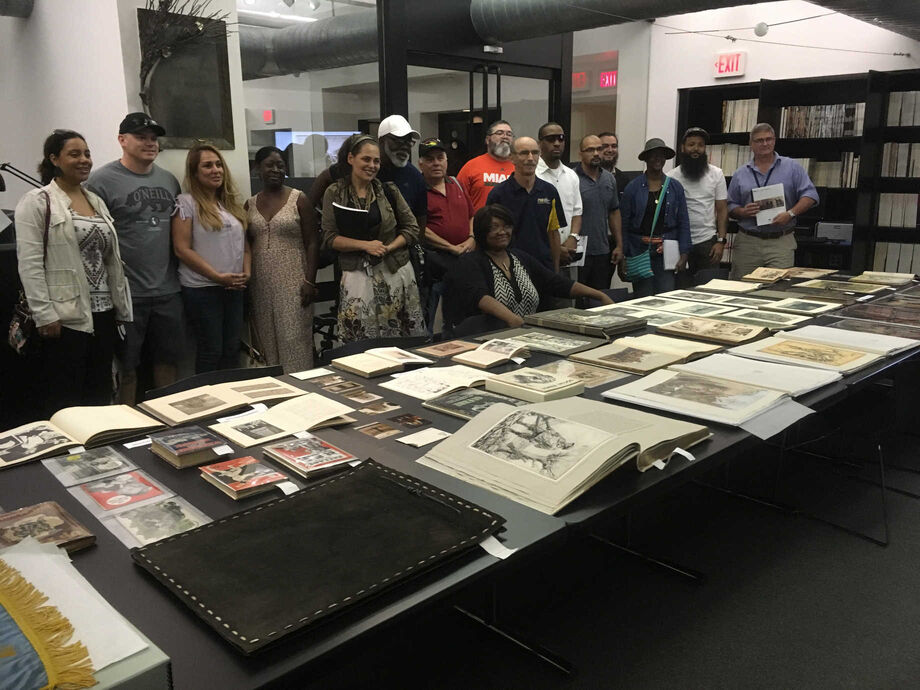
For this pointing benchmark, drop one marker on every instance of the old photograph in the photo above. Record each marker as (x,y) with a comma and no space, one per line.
(151,523)
(589,375)
(451,347)
(768,316)
(412,421)
(329,380)
(344,387)
(378,430)
(379,407)
(90,464)
(705,391)
(362,396)
(26,442)
(546,342)
(197,405)
(468,402)
(546,445)
(256,429)
(500,347)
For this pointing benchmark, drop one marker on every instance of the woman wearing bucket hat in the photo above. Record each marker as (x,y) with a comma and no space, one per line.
(654,213)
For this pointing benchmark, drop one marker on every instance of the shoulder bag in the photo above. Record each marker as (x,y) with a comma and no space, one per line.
(640,265)
(22,325)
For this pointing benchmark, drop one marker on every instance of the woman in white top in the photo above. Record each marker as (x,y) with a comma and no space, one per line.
(209,238)
(72,275)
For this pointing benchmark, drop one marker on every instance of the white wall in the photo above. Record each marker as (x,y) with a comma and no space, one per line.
(74,65)
(685,60)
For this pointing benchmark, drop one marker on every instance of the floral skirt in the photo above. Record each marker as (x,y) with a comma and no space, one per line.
(375,303)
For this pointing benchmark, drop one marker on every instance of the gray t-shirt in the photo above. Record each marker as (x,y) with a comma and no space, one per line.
(141,206)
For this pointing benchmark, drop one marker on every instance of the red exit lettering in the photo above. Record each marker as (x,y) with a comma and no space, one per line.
(608,80)
(729,64)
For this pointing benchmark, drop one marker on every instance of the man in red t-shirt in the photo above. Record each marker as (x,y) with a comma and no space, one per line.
(449,228)
(489,170)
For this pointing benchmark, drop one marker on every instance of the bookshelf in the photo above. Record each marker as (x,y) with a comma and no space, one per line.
(852,113)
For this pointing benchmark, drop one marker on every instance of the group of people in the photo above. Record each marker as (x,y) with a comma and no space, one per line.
(115,262)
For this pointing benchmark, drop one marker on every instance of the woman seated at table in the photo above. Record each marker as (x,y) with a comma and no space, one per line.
(506,284)
(378,295)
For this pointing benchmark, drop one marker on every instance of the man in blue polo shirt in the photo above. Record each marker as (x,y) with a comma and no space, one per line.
(774,244)
(534,204)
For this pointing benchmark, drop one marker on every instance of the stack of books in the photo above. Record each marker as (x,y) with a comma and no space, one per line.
(186,446)
(534,385)
(242,477)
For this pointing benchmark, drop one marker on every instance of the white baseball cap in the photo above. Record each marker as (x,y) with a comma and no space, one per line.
(398,126)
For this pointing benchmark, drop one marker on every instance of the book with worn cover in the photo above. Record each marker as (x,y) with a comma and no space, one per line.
(97,463)
(331,547)
(809,273)
(785,351)
(713,330)
(48,523)
(763,274)
(72,426)
(717,400)
(492,353)
(469,402)
(534,385)
(208,401)
(598,324)
(308,455)
(185,446)
(310,411)
(545,455)
(242,477)
(378,361)
(544,340)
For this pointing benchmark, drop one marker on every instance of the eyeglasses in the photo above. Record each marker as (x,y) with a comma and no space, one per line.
(501,133)
(553,137)
(763,140)
(592,149)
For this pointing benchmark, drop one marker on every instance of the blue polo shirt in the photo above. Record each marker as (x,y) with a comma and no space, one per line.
(531,212)
(599,198)
(785,171)
(411,185)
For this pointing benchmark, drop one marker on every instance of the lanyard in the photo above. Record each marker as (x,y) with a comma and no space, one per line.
(754,172)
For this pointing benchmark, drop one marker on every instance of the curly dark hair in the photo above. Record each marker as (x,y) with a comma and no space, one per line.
(482,222)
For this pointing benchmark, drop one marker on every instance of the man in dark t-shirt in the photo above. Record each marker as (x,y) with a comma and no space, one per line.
(141,197)
(397,138)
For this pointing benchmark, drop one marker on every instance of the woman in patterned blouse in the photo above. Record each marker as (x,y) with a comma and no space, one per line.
(505,284)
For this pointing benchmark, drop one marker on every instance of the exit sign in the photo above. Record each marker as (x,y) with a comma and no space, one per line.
(268,116)
(729,64)
(579,81)
(607,80)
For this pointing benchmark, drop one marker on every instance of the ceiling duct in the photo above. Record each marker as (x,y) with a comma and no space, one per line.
(16,8)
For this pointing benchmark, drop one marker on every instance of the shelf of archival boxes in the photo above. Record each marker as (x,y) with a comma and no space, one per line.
(201,659)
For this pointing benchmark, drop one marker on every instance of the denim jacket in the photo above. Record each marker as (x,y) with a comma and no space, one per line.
(673,221)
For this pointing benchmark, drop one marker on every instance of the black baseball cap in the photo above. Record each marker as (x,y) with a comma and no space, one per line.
(137,122)
(696,132)
(429,145)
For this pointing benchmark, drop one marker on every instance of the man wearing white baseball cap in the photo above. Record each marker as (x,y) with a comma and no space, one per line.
(397,138)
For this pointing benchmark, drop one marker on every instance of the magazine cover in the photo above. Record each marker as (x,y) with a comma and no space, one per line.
(240,474)
(121,490)
(309,453)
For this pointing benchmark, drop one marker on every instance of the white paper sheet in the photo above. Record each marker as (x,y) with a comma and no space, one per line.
(310,374)
(139,443)
(773,421)
(424,437)
(107,636)
(255,409)
(670,253)
(494,547)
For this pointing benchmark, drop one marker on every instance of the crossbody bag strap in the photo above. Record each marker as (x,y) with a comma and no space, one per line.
(664,190)
(47,226)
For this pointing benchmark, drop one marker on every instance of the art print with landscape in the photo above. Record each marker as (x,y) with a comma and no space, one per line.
(447,349)
(546,445)
(814,352)
(728,395)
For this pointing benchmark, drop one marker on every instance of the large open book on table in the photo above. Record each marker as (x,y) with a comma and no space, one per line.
(72,426)
(644,354)
(207,401)
(547,454)
(717,400)
(713,330)
(787,378)
(804,353)
(544,340)
(431,382)
(883,278)
(887,345)
(378,361)
(534,385)
(598,324)
(310,411)
(492,353)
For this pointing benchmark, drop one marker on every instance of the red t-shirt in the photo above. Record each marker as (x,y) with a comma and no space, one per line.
(449,214)
(482,173)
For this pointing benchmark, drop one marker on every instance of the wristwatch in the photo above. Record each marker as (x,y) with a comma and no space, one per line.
(791,214)
(721,240)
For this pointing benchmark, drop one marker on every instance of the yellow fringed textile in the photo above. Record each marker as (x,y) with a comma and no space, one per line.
(67,665)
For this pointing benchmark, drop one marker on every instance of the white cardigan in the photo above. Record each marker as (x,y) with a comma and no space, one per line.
(57,288)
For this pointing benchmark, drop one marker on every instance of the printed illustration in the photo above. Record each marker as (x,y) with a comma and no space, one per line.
(719,393)
(197,404)
(38,439)
(813,352)
(151,523)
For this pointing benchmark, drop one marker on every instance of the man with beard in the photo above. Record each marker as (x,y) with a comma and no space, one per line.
(489,170)
(601,216)
(610,154)
(141,197)
(534,204)
(551,169)
(707,205)
(397,138)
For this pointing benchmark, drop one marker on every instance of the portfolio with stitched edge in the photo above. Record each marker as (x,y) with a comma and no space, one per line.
(262,574)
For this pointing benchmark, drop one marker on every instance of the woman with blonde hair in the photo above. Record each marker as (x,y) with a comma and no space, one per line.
(209,238)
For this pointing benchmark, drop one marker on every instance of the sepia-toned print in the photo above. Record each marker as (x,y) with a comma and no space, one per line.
(531,378)
(635,356)
(814,352)
(587,374)
(500,347)
(468,402)
(197,404)
(256,429)
(727,395)
(546,445)
(549,343)
(451,347)
(379,407)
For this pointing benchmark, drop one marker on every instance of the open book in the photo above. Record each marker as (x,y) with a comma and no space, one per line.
(883,278)
(545,455)
(378,361)
(207,401)
(787,378)
(717,400)
(72,426)
(804,353)
(887,345)
(431,382)
(644,354)
(799,305)
(682,306)
(713,330)
(545,340)
(310,411)
(720,285)
(763,274)
(534,385)
(598,324)
(492,353)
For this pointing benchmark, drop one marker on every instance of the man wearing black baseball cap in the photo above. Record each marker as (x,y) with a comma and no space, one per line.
(141,197)
(449,228)
(707,205)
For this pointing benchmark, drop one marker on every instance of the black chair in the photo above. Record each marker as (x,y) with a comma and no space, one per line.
(325,324)
(616,294)
(362,345)
(704,275)
(213,377)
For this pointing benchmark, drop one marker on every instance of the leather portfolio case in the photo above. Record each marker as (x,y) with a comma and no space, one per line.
(264,573)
